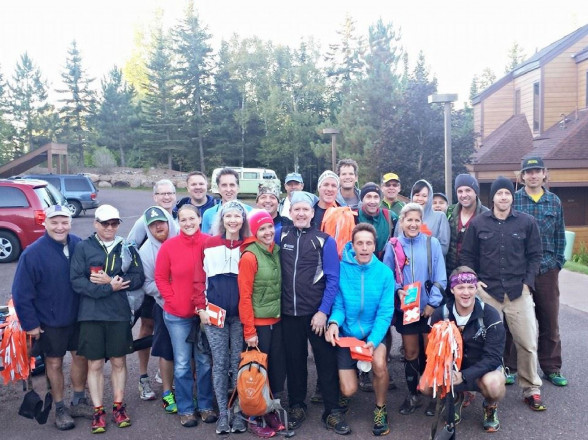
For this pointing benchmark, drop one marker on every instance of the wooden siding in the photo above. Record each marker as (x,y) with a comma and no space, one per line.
(560,94)
(525,84)
(581,237)
(568,175)
(478,127)
(497,109)
(582,72)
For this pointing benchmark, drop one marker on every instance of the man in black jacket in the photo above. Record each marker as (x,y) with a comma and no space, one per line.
(103,269)
(504,247)
(483,338)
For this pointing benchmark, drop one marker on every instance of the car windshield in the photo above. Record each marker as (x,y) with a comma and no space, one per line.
(46,197)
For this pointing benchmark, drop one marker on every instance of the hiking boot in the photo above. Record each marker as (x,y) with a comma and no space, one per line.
(336,421)
(509,378)
(274,421)
(380,421)
(82,409)
(431,407)
(63,420)
(146,393)
(534,402)
(208,416)
(296,416)
(99,422)
(491,423)
(238,424)
(169,402)
(222,424)
(365,382)
(188,420)
(119,414)
(344,403)
(557,379)
(260,431)
(410,404)
(317,397)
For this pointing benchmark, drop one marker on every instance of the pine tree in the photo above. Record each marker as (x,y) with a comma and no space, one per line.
(6,128)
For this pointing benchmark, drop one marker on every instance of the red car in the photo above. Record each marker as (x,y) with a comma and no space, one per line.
(22,214)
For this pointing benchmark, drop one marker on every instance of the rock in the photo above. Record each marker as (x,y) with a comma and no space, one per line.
(121,184)
(104,184)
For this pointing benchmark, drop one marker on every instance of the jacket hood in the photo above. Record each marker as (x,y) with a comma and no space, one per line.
(349,257)
(429,205)
(174,229)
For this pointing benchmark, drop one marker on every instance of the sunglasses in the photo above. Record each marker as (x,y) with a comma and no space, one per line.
(111,223)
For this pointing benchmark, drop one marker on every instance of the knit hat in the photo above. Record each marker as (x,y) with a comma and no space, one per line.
(467,180)
(257,218)
(233,205)
(501,182)
(368,188)
(302,196)
(327,174)
(266,188)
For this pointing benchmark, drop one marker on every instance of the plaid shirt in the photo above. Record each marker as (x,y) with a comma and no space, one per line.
(548,212)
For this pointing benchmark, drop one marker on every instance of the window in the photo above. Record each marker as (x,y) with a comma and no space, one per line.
(45,197)
(12,198)
(77,184)
(517,109)
(536,106)
(250,175)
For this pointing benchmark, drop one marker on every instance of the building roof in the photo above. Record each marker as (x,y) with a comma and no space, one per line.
(507,144)
(540,58)
(565,140)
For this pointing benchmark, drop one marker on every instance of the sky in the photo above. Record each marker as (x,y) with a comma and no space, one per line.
(458,37)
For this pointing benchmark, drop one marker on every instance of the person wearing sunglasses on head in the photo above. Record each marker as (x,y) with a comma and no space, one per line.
(103,268)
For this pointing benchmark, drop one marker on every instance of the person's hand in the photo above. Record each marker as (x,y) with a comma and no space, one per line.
(35,333)
(482,285)
(319,323)
(100,277)
(457,377)
(252,341)
(428,311)
(401,294)
(370,347)
(332,333)
(118,283)
(204,317)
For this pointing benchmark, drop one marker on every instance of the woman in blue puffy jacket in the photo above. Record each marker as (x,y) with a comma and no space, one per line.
(416,268)
(363,309)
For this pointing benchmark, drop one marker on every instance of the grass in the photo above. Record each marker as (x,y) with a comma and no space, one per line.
(576,267)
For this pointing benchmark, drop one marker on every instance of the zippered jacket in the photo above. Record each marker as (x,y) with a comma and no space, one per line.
(364,304)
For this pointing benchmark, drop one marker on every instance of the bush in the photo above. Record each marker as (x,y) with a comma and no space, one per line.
(103,160)
(582,255)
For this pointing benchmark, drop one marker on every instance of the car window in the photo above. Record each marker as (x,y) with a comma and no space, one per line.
(46,197)
(53,181)
(12,198)
(77,184)
(250,175)
(60,199)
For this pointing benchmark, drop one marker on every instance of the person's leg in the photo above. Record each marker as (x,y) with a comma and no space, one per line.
(78,372)
(381,377)
(348,382)
(203,362)
(325,358)
(296,352)
(236,347)
(218,339)
(96,381)
(118,377)
(145,330)
(166,370)
(276,357)
(546,297)
(492,386)
(411,365)
(54,368)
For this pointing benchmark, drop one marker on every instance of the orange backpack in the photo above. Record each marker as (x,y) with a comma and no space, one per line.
(339,222)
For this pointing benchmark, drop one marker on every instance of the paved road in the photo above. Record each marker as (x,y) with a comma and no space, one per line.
(563,418)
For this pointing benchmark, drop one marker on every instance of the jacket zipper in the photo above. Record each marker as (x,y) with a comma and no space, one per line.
(361,305)
(295,266)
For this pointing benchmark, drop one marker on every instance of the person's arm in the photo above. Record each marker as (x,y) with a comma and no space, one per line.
(199,283)
(149,286)
(385,309)
(444,235)
(245,279)
(560,237)
(138,232)
(533,252)
(163,273)
(331,270)
(80,276)
(24,293)
(469,248)
(134,274)
(439,274)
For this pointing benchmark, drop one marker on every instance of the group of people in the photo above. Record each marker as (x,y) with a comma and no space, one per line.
(218,276)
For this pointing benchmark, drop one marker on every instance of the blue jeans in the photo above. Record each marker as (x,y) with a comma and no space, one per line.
(184,352)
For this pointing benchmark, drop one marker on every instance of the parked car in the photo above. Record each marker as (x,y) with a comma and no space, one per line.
(249,179)
(78,189)
(22,214)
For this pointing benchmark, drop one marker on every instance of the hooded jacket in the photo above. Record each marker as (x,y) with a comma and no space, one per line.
(210,202)
(416,267)
(364,303)
(341,201)
(435,221)
(139,235)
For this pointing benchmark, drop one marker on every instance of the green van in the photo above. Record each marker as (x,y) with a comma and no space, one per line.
(249,179)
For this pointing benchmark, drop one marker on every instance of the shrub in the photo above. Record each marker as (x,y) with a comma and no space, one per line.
(103,160)
(582,255)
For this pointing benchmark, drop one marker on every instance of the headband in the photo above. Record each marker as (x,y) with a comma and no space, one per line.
(463,278)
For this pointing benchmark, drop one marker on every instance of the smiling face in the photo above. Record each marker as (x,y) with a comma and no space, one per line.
(439,204)
(502,201)
(228,187)
(106,230)
(189,221)
(301,214)
(466,196)
(371,203)
(411,224)
(534,178)
(364,245)
(160,230)
(165,196)
(58,228)
(465,295)
(269,203)
(347,177)
(421,197)
(293,185)
(266,233)
(327,192)
(197,187)
(233,220)
(390,189)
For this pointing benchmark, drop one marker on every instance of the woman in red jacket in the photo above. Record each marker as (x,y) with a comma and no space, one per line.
(178,270)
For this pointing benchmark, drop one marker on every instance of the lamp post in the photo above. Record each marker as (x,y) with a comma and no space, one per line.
(333,132)
(446,100)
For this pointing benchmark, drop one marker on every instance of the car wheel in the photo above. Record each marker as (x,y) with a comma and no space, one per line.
(75,207)
(9,247)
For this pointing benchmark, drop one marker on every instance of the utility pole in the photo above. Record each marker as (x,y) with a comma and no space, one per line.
(333,132)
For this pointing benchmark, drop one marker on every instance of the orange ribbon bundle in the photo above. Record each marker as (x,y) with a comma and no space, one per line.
(444,356)
(14,351)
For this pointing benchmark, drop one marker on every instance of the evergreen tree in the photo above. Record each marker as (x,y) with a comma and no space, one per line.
(116,119)
(6,128)
(79,103)
(516,55)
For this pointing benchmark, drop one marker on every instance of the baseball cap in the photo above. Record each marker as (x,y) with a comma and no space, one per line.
(154,214)
(390,176)
(106,212)
(56,210)
(296,177)
(440,194)
(532,162)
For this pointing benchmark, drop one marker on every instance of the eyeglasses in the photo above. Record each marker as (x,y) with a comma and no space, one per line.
(167,194)
(111,223)
(393,184)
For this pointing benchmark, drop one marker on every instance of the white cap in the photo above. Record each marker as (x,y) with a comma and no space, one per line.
(106,212)
(57,210)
